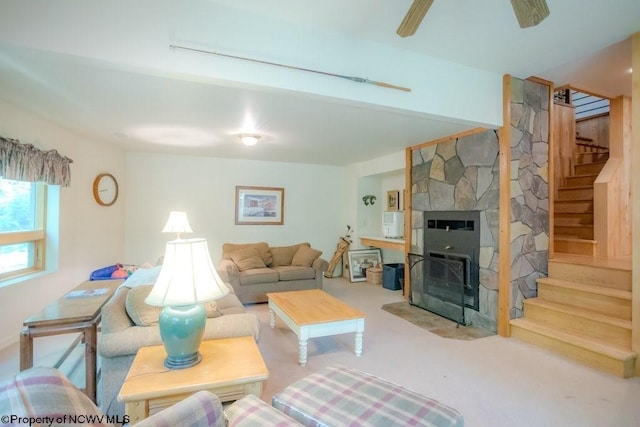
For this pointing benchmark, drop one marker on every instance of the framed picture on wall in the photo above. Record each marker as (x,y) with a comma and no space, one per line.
(259,205)
(360,260)
(393,200)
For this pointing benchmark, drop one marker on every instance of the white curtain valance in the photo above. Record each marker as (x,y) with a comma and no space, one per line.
(24,162)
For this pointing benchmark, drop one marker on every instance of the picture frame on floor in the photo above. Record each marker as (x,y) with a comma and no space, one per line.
(360,260)
(259,205)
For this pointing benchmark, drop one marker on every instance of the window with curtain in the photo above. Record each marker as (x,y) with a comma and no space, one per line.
(25,173)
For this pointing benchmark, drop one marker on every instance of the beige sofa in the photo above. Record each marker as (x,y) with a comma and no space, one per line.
(129,324)
(254,269)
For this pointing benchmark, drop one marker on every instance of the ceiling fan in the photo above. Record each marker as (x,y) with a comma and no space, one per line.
(529,13)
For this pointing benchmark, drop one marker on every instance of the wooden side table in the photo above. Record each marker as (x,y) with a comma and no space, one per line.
(70,315)
(230,368)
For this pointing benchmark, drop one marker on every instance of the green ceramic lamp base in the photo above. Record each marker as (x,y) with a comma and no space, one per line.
(182,363)
(181,329)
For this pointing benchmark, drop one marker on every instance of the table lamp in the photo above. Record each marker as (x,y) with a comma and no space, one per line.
(187,279)
(177,223)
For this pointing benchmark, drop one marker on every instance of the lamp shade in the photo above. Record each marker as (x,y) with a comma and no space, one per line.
(177,223)
(187,276)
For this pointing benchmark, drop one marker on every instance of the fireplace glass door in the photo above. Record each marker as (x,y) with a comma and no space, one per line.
(448,278)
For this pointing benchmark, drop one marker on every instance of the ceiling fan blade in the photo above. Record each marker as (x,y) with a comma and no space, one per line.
(530,12)
(414,17)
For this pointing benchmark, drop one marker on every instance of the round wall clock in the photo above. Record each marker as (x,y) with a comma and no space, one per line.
(105,189)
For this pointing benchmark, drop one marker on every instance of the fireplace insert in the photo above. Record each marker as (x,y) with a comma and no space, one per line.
(450,263)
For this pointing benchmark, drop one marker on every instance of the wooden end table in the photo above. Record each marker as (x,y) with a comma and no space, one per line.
(230,368)
(70,315)
(315,313)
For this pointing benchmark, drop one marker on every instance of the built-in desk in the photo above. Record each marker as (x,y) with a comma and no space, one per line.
(383,243)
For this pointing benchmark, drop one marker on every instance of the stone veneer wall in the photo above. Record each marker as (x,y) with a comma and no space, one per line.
(461,174)
(529,189)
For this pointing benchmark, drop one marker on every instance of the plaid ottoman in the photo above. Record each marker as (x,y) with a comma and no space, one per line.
(340,396)
(45,393)
(250,411)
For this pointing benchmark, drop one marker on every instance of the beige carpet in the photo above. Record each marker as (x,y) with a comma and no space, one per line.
(493,381)
(435,324)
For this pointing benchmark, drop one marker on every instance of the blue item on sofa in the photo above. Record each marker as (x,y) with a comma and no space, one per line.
(103,273)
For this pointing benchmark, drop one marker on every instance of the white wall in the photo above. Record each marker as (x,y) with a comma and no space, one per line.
(205,188)
(374,177)
(319,202)
(90,236)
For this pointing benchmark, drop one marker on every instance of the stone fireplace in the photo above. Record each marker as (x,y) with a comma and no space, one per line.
(462,174)
(450,182)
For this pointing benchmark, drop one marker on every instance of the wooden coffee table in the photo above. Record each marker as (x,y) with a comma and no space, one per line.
(230,368)
(315,313)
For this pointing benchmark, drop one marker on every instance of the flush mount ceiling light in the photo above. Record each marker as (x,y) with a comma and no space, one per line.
(249,138)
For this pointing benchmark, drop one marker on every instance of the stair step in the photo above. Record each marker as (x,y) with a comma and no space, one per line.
(615,274)
(574,218)
(588,168)
(600,299)
(584,192)
(617,263)
(571,245)
(579,321)
(573,206)
(579,231)
(602,356)
(583,158)
(579,180)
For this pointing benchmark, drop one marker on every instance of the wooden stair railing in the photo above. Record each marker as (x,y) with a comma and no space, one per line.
(612,188)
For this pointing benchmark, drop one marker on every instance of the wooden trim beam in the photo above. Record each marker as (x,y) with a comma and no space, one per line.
(447,138)
(551,174)
(542,82)
(504,216)
(408,226)
(582,90)
(635,197)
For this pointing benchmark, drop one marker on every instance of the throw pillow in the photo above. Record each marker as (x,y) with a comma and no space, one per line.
(262,248)
(143,314)
(246,259)
(305,256)
(283,255)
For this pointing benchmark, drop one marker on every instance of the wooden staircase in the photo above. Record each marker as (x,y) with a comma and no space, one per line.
(573,204)
(583,311)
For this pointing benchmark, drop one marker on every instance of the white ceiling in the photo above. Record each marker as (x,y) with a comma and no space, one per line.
(583,42)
